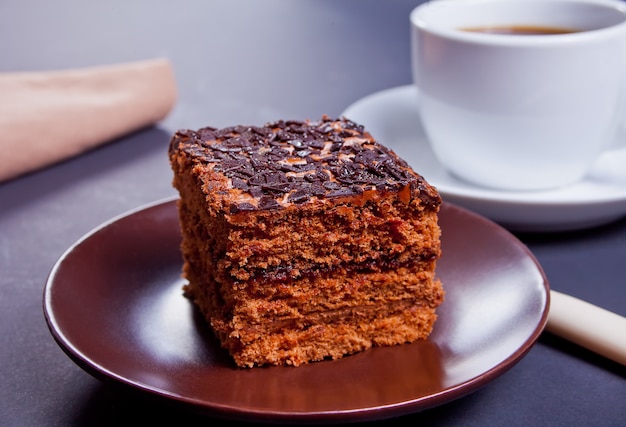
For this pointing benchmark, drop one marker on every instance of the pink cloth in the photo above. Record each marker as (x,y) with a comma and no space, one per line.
(48,116)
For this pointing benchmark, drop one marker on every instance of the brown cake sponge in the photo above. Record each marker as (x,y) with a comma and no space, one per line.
(305,240)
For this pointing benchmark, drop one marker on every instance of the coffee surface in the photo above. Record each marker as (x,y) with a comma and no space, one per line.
(520,30)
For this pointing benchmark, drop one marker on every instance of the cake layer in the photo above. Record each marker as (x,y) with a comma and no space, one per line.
(310,239)
(315,239)
(331,340)
(374,309)
(286,163)
(271,301)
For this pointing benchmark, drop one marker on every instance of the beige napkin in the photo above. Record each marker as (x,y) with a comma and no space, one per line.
(48,116)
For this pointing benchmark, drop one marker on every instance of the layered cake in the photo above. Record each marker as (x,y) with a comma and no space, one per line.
(305,240)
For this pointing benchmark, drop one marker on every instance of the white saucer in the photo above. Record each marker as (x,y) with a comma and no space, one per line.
(391,116)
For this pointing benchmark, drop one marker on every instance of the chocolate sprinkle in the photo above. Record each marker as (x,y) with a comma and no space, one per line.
(296,160)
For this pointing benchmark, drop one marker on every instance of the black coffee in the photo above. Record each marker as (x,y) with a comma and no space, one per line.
(535,30)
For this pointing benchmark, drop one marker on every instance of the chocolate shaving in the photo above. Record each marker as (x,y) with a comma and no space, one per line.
(297,161)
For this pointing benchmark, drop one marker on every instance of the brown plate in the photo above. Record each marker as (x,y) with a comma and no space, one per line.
(113,302)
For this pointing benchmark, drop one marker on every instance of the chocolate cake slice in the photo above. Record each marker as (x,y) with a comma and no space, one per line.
(305,240)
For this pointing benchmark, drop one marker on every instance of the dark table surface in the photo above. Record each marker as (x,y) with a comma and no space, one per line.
(244,62)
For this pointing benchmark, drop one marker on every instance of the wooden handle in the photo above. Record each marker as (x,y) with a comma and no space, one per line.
(587,325)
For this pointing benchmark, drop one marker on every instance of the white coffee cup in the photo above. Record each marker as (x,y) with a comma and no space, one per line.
(520,112)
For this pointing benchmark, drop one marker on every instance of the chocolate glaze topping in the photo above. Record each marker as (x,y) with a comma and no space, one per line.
(294,161)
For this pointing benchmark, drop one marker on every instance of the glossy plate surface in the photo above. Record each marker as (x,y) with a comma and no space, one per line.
(113,302)
(392,117)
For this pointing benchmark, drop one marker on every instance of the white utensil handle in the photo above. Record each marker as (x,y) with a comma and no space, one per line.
(587,325)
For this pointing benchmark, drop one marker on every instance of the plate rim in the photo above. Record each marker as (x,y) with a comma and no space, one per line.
(234,412)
